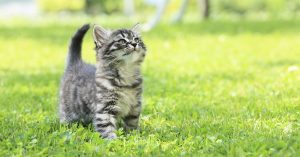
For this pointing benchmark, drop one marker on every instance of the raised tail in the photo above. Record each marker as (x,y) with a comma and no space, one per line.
(74,55)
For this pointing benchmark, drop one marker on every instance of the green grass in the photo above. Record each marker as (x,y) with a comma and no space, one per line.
(218,88)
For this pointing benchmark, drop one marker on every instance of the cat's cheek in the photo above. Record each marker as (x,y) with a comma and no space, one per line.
(142,52)
(138,49)
(118,53)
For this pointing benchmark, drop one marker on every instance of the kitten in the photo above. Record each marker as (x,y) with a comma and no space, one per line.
(109,90)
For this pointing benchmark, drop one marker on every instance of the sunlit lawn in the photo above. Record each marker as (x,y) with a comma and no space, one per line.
(211,88)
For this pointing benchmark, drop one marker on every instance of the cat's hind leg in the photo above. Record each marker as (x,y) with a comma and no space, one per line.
(66,116)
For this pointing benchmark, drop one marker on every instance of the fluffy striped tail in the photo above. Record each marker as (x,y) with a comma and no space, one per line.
(75,46)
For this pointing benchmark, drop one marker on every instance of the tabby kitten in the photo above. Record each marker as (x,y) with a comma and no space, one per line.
(112,89)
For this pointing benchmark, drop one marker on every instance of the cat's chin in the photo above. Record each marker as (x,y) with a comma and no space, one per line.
(132,57)
(127,53)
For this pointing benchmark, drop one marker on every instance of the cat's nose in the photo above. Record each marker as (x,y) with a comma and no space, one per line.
(133,44)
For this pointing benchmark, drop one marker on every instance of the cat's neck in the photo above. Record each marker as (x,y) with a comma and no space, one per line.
(128,71)
(123,71)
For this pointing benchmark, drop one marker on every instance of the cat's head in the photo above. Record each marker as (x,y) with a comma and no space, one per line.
(119,46)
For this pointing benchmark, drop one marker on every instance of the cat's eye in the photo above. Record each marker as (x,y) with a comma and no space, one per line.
(122,41)
(136,40)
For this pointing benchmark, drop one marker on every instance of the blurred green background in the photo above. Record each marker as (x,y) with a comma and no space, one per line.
(219,8)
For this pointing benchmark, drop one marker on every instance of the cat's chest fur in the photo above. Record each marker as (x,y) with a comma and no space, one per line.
(127,96)
(121,86)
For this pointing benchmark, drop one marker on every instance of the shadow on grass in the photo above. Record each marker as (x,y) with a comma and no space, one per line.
(279,63)
(230,27)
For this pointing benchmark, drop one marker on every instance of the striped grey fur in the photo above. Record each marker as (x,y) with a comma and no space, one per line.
(109,90)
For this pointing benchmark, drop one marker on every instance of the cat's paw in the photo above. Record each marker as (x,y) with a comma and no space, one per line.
(129,129)
(111,136)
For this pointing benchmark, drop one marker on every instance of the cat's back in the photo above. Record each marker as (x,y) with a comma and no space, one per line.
(77,91)
(79,75)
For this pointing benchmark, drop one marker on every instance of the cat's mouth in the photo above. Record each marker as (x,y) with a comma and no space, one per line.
(128,52)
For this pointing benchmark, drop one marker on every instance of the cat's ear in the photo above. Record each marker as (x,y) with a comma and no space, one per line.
(137,28)
(100,35)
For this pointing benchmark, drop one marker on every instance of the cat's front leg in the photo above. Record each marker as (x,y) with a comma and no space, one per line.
(105,123)
(131,121)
